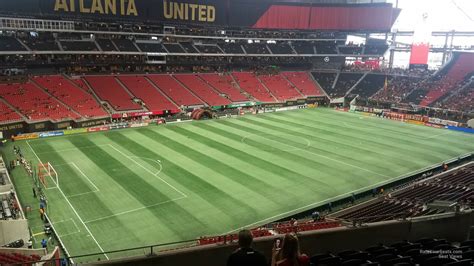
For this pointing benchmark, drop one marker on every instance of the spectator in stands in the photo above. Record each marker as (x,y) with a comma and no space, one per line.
(245,255)
(289,254)
(445,167)
(316,216)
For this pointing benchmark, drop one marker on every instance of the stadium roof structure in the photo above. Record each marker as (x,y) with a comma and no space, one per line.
(262,14)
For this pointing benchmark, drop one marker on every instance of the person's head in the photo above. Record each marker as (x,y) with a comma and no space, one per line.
(245,238)
(290,249)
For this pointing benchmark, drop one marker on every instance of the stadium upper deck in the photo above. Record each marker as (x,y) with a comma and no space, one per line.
(263,14)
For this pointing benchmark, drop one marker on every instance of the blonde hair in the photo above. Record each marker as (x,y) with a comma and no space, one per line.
(290,249)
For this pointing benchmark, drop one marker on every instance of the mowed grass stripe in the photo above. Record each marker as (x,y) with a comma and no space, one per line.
(370,137)
(414,134)
(85,244)
(265,193)
(351,177)
(344,148)
(217,197)
(335,164)
(299,164)
(229,146)
(221,175)
(336,152)
(134,184)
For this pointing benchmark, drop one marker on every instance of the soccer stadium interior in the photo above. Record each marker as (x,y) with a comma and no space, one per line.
(236,132)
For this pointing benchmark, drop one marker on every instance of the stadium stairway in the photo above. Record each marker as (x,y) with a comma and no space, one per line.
(224,84)
(325,80)
(34,103)
(46,91)
(108,89)
(75,98)
(8,114)
(249,83)
(304,83)
(142,89)
(201,89)
(368,85)
(462,66)
(401,253)
(174,90)
(18,259)
(280,88)
(413,201)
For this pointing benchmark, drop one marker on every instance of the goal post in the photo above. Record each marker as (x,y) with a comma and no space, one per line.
(46,170)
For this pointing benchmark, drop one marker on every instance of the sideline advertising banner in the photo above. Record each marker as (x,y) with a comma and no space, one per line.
(26,136)
(51,134)
(75,131)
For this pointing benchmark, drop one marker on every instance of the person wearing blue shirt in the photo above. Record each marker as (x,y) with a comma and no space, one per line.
(44,243)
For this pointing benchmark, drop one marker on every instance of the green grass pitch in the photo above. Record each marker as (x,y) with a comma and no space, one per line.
(160,184)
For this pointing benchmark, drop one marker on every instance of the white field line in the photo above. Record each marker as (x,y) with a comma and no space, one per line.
(438,135)
(28,143)
(272,218)
(308,143)
(81,194)
(84,175)
(134,210)
(73,209)
(75,225)
(73,233)
(74,149)
(328,158)
(146,169)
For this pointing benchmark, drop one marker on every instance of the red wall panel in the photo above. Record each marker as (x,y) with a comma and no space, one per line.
(344,18)
(327,18)
(285,17)
(419,54)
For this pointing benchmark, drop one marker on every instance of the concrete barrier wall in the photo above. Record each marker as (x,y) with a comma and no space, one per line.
(453,227)
(12,230)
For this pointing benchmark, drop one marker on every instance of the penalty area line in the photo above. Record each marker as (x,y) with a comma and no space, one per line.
(133,210)
(72,207)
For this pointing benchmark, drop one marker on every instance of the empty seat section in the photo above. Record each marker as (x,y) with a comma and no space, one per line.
(79,46)
(281,88)
(151,47)
(108,89)
(10,44)
(106,45)
(304,83)
(125,45)
(249,83)
(256,48)
(174,90)
(144,90)
(189,48)
(231,48)
(34,103)
(225,84)
(208,49)
(7,114)
(202,89)
(280,48)
(174,48)
(76,98)
(304,47)
(325,80)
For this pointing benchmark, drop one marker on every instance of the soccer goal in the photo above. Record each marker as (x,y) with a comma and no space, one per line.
(45,170)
